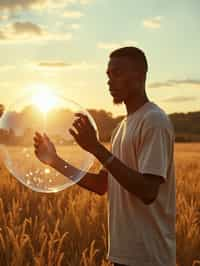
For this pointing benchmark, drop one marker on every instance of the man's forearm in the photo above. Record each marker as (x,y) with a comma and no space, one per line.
(93,182)
(131,180)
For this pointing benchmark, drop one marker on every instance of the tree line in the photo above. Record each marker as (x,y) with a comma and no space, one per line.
(186,125)
(18,127)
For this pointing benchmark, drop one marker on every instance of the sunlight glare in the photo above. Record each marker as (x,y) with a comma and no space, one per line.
(44,100)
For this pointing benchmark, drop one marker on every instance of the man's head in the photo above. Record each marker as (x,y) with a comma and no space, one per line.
(126,71)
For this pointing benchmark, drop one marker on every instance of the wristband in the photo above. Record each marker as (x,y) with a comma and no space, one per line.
(109,160)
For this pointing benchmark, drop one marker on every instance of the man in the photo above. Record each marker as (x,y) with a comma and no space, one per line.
(1,109)
(138,173)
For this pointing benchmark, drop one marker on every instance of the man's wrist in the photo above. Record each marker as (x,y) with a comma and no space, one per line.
(108,161)
(97,149)
(55,161)
(103,155)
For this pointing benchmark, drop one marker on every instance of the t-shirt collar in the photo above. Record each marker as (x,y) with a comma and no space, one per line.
(138,110)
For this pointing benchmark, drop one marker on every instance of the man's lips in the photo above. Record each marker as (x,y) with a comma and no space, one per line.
(114,92)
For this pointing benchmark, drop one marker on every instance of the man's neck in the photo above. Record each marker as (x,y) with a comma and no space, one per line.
(133,104)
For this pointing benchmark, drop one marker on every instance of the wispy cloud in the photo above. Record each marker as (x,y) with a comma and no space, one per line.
(7,67)
(173,82)
(115,45)
(28,31)
(85,2)
(152,23)
(75,26)
(26,27)
(52,65)
(4,17)
(178,99)
(16,5)
(72,14)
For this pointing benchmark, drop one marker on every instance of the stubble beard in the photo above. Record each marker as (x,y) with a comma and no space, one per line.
(117,101)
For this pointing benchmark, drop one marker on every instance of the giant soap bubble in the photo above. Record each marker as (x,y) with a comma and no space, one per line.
(47,113)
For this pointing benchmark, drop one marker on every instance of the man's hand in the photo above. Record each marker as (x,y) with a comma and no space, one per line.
(1,109)
(86,134)
(44,149)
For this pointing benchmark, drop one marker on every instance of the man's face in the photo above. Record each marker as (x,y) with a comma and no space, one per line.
(122,78)
(1,109)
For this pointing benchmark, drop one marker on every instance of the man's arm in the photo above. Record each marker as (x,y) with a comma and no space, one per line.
(46,153)
(144,186)
(93,182)
(141,185)
(97,183)
(138,184)
(146,189)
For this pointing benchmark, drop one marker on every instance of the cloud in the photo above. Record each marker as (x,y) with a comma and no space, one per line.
(7,67)
(152,23)
(2,35)
(16,5)
(5,84)
(27,27)
(52,65)
(4,17)
(28,31)
(85,2)
(69,2)
(72,14)
(115,45)
(75,26)
(177,99)
(173,82)
(13,5)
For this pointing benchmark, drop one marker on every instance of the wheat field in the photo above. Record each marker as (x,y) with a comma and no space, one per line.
(69,228)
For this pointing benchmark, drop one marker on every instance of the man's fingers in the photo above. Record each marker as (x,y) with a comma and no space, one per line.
(46,137)
(80,115)
(73,133)
(38,138)
(84,118)
(38,135)
(36,153)
(37,142)
(36,145)
(78,125)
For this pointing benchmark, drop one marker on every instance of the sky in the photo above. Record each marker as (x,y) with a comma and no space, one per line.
(65,46)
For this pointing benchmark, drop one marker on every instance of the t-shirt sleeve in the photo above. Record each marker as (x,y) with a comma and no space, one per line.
(155,151)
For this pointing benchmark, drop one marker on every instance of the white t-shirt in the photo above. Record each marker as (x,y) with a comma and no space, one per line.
(139,234)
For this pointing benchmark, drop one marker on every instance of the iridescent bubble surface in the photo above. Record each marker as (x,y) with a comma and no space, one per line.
(45,113)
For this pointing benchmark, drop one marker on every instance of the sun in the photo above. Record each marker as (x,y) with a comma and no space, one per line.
(44,100)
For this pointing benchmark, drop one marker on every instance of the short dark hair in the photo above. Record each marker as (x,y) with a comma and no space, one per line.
(133,53)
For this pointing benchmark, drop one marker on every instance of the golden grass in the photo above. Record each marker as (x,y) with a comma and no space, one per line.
(69,228)
(187,158)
